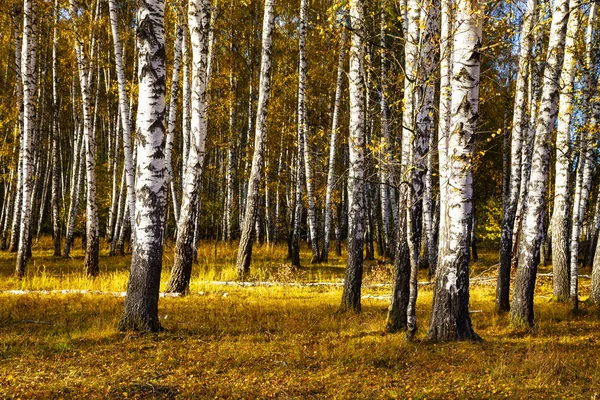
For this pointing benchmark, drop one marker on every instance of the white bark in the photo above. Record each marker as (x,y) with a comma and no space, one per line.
(450,315)
(84,70)
(356,172)
(172,117)
(522,302)
(198,21)
(28,64)
(560,261)
(519,128)
(141,303)
(585,164)
(333,147)
(124,109)
(252,198)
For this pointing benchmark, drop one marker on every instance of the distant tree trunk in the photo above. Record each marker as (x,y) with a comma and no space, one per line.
(519,127)
(386,190)
(521,312)
(356,174)
(450,318)
(172,117)
(92,245)
(445,114)
(560,248)
(246,241)
(585,165)
(198,20)
(18,200)
(333,148)
(124,109)
(28,64)
(55,139)
(141,304)
(76,184)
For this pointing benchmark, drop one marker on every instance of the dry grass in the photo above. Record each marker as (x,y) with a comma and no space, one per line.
(286,342)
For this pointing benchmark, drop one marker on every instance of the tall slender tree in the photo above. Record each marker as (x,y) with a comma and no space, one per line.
(450,318)
(356,173)
(141,304)
(521,312)
(264,91)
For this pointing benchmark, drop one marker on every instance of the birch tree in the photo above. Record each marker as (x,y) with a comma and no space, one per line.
(333,147)
(356,173)
(560,259)
(521,312)
(450,318)
(28,73)
(252,199)
(123,109)
(519,128)
(56,233)
(141,304)
(84,71)
(198,21)
(584,166)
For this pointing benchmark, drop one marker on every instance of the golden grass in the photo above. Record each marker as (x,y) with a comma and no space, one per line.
(280,341)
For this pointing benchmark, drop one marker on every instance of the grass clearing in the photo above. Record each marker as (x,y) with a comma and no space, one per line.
(276,341)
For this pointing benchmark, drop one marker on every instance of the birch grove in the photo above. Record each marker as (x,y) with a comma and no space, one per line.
(206,131)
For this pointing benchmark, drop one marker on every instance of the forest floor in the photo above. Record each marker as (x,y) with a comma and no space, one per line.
(284,341)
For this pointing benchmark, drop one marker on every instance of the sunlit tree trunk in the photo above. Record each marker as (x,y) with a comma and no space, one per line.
(123,109)
(445,113)
(356,172)
(141,304)
(92,244)
(450,318)
(252,199)
(560,258)
(172,118)
(401,289)
(55,137)
(76,184)
(333,148)
(28,64)
(198,21)
(519,128)
(585,164)
(521,312)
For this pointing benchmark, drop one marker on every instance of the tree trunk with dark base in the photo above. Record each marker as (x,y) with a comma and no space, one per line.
(521,313)
(141,303)
(354,266)
(450,318)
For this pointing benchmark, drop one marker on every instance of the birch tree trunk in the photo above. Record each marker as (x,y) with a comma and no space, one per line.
(333,148)
(585,165)
(28,64)
(401,289)
(92,241)
(560,258)
(521,313)
(124,110)
(424,124)
(56,233)
(519,128)
(450,318)
(252,199)
(18,201)
(356,172)
(172,117)
(198,21)
(445,113)
(141,304)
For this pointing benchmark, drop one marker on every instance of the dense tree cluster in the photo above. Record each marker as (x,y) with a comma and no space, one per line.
(398,127)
